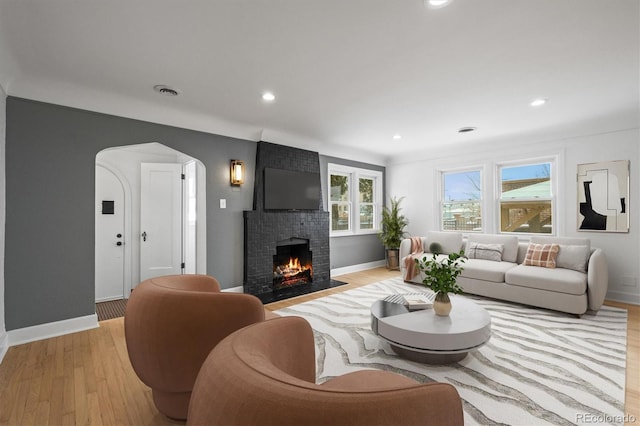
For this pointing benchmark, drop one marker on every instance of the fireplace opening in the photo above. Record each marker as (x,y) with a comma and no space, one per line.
(292,263)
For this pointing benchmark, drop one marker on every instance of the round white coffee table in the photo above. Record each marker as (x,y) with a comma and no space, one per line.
(426,337)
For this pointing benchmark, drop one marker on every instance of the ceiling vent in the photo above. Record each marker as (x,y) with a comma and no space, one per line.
(165,90)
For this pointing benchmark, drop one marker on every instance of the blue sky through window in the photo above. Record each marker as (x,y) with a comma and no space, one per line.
(462,186)
(526,172)
(465,186)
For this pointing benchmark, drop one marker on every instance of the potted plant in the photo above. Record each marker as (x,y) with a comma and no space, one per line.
(392,232)
(440,276)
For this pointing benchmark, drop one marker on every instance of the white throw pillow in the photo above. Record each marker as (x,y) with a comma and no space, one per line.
(485,251)
(510,243)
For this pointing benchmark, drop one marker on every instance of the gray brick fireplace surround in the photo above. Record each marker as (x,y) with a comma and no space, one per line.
(264,229)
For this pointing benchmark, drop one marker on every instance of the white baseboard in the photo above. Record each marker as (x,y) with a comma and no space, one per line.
(4,344)
(238,289)
(358,268)
(620,296)
(109,299)
(52,329)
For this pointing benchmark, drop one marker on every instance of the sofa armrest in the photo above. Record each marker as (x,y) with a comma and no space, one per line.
(597,278)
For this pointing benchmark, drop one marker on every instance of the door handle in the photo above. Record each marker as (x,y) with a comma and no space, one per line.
(144,236)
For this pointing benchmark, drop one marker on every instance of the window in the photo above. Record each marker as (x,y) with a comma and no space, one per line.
(340,202)
(355,197)
(461,201)
(526,198)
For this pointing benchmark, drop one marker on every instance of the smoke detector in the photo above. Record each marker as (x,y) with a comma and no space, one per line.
(166,90)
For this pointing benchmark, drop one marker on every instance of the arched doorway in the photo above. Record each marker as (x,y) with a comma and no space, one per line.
(119,177)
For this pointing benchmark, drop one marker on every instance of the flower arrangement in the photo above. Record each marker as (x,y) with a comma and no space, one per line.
(440,276)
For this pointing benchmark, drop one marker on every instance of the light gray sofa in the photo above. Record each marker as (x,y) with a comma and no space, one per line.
(578,282)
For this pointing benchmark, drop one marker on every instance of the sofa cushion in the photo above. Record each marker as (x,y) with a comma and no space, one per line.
(510,242)
(561,240)
(451,242)
(541,255)
(573,257)
(558,280)
(485,251)
(486,270)
(573,254)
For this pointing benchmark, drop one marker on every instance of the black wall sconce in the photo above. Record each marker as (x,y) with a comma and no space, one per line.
(237,172)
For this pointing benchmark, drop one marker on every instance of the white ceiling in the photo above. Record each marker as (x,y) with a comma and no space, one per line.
(347,74)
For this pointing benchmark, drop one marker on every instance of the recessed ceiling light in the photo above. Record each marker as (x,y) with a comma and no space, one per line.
(538,102)
(466,129)
(166,90)
(436,4)
(268,97)
(397,136)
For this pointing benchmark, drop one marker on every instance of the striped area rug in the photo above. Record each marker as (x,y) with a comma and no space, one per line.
(539,368)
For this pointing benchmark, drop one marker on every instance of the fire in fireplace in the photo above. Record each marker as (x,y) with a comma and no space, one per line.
(292,263)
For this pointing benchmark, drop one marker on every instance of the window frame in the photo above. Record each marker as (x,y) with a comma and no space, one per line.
(354,174)
(553,188)
(441,198)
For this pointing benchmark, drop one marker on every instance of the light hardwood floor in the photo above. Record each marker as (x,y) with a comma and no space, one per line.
(86,378)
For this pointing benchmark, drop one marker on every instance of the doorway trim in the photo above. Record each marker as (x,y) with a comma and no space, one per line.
(127,254)
(131,263)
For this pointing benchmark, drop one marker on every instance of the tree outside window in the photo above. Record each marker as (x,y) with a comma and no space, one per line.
(461,205)
(367,207)
(355,200)
(339,202)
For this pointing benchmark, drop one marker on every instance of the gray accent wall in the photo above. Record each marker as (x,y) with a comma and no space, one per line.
(50,161)
(50,184)
(353,249)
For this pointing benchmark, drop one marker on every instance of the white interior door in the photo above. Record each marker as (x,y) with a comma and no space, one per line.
(160,220)
(109,232)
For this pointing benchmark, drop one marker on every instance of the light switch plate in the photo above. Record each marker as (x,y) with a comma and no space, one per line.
(223,203)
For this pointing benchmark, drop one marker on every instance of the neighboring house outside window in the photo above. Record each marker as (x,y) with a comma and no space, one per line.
(461,201)
(526,201)
(355,200)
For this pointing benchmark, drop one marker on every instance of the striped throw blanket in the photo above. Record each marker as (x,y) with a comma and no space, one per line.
(409,262)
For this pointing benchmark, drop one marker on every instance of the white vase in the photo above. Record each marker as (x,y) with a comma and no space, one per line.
(442,304)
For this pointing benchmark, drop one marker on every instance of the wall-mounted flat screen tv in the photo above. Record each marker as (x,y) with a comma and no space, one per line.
(291,190)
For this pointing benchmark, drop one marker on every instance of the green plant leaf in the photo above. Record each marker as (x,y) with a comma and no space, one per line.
(392,225)
(441,273)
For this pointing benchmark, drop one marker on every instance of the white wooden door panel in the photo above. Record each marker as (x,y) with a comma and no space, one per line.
(109,233)
(160,220)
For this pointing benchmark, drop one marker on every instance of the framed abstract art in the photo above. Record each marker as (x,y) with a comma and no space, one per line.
(603,196)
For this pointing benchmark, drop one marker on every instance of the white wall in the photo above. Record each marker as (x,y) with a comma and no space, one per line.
(3,121)
(417,181)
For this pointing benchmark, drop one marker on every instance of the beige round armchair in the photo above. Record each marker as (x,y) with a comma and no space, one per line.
(264,374)
(171,325)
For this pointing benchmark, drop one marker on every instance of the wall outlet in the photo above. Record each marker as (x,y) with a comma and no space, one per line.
(629,282)
(223,203)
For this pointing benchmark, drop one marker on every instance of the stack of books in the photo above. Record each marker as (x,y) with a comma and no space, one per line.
(418,301)
(413,301)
